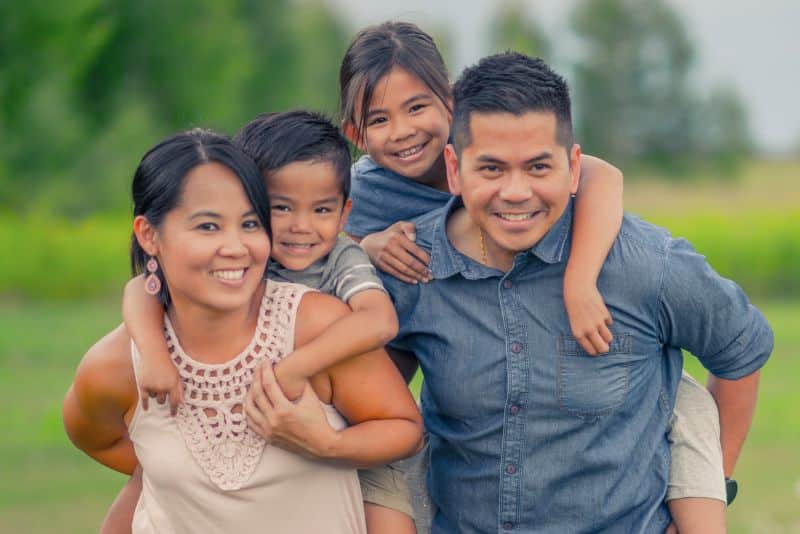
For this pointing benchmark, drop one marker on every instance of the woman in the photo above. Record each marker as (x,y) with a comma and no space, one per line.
(201,231)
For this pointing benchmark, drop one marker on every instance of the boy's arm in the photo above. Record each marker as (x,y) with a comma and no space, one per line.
(597,220)
(371,325)
(144,319)
(736,401)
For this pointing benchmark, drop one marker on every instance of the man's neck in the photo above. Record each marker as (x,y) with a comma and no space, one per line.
(469,239)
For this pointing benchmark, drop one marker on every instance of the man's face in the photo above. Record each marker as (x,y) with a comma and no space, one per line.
(515,179)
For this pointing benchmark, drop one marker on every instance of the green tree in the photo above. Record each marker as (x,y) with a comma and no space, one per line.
(513,29)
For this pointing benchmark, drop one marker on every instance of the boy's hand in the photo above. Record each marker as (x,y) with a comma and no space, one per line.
(589,318)
(159,379)
(291,383)
(393,251)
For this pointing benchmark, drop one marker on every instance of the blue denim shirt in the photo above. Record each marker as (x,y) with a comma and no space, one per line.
(528,433)
(382,197)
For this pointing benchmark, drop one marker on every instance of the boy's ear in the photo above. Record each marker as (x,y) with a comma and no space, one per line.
(348,205)
(451,163)
(146,235)
(353,134)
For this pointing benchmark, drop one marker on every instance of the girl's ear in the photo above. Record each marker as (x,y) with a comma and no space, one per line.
(353,134)
(146,235)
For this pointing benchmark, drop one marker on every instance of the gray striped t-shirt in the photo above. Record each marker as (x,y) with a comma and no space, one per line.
(342,273)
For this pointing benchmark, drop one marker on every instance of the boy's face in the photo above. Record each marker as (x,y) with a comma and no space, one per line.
(515,178)
(307,212)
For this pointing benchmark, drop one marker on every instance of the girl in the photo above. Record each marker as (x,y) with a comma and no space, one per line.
(395,105)
(202,232)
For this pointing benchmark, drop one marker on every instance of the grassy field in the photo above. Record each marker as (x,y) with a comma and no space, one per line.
(48,486)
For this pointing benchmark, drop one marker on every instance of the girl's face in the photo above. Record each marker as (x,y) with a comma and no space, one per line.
(407,127)
(212,247)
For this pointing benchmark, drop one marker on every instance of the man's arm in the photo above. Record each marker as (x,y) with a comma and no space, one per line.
(736,401)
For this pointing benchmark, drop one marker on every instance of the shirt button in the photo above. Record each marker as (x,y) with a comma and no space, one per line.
(516,348)
(514,409)
(508,525)
(511,469)
(507,284)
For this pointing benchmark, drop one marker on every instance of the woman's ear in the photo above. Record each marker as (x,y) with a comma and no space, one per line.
(353,134)
(146,235)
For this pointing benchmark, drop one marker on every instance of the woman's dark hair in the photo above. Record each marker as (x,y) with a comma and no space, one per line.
(374,52)
(277,139)
(160,177)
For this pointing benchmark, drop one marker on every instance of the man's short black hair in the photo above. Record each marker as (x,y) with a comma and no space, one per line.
(510,82)
(275,140)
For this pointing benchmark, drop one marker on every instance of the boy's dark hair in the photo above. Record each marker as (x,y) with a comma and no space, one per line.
(275,140)
(510,82)
(159,179)
(374,52)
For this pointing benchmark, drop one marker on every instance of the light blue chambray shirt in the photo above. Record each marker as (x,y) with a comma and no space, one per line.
(528,433)
(381,198)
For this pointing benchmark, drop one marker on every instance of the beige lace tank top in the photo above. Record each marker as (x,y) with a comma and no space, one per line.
(206,471)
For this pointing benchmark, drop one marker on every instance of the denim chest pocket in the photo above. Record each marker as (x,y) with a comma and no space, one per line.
(593,386)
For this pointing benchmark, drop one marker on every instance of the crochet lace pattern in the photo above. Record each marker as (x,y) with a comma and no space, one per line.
(211,419)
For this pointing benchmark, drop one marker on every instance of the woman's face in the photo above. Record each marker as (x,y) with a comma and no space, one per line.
(212,247)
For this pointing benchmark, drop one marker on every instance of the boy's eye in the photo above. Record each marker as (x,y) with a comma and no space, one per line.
(207,226)
(279,207)
(323,209)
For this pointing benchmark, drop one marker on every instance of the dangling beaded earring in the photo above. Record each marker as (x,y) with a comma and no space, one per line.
(152,284)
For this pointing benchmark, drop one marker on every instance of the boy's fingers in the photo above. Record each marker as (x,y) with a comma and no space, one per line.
(161,397)
(144,395)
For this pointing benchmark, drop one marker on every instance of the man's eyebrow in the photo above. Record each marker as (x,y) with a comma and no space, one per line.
(539,157)
(485,158)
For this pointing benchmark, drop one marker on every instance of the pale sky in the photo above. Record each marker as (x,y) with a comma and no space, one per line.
(753,45)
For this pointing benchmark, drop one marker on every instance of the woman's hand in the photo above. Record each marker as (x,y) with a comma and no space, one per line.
(300,426)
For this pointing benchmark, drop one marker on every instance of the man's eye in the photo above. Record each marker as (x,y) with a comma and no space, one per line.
(539,167)
(490,168)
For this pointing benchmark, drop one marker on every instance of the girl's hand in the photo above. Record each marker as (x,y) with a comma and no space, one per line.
(299,426)
(394,252)
(159,379)
(589,318)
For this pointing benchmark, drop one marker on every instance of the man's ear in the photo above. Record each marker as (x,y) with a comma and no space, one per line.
(348,205)
(451,163)
(353,134)
(146,235)
(575,167)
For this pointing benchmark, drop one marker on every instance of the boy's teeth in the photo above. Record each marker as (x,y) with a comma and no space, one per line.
(410,152)
(229,275)
(516,216)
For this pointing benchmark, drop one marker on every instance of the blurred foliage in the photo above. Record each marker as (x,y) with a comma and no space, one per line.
(635,103)
(87,86)
(513,29)
(57,259)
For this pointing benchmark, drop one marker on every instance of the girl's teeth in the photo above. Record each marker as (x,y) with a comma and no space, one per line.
(410,152)
(229,275)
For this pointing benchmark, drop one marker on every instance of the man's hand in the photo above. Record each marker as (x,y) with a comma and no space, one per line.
(394,252)
(300,426)
(589,318)
(159,379)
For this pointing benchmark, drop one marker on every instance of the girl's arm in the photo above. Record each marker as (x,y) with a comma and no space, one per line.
(144,318)
(94,409)
(394,252)
(366,389)
(597,220)
(372,324)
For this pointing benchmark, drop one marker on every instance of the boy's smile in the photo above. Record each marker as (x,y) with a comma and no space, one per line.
(307,212)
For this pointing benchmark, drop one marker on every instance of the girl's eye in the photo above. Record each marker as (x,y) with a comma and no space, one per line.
(376,120)
(207,226)
(251,224)
(417,107)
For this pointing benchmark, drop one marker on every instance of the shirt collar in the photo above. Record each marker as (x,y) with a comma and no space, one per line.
(447,261)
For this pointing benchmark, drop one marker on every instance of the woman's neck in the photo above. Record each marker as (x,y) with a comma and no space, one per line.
(211,335)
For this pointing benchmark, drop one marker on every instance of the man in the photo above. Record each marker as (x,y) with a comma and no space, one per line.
(527,432)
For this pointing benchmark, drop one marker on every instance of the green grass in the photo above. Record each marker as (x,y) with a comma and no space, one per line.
(48,486)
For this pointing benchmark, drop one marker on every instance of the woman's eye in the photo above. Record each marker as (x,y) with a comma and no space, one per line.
(251,224)
(207,227)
